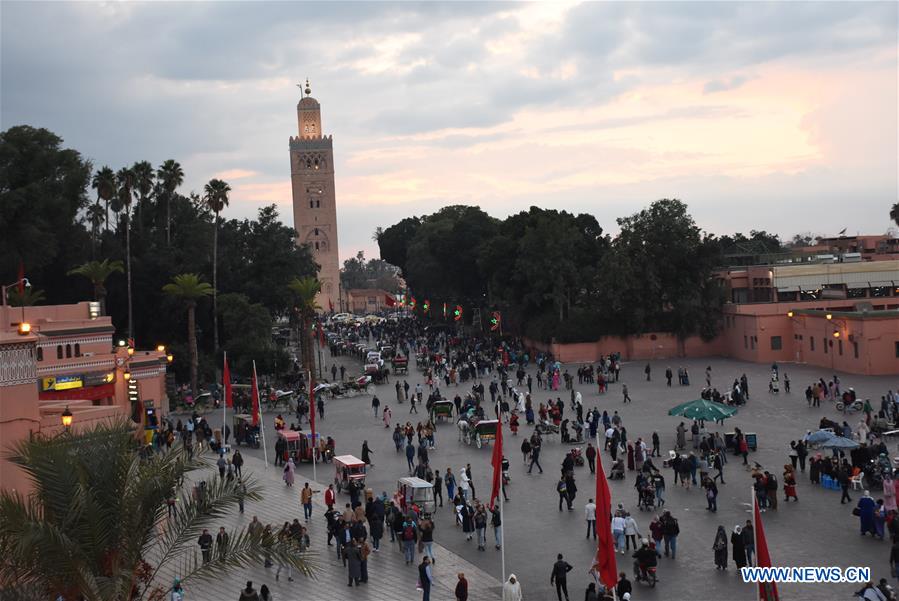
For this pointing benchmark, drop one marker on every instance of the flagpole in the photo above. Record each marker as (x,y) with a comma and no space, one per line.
(502,490)
(224,399)
(261,416)
(758,588)
(315,445)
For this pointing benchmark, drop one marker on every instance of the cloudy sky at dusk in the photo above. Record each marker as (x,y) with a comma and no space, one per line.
(760,116)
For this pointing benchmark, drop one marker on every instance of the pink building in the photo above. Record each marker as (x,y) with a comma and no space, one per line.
(68,358)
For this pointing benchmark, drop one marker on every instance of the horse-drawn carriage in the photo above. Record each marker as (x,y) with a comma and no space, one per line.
(376,371)
(400,364)
(479,431)
(422,361)
(244,431)
(342,390)
(441,409)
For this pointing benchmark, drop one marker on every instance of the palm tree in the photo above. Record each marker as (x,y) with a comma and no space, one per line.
(305,290)
(172,176)
(95,217)
(98,527)
(189,288)
(894,213)
(98,272)
(125,179)
(216,199)
(104,183)
(31,296)
(143,182)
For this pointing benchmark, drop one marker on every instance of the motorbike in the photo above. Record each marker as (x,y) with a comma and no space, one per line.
(647,577)
(853,407)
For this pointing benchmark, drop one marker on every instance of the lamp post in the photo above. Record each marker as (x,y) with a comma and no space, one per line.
(3,289)
(67,418)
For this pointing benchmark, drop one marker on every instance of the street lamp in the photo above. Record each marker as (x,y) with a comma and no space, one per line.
(127,375)
(828,317)
(24,328)
(170,357)
(67,418)
(3,289)
(161,348)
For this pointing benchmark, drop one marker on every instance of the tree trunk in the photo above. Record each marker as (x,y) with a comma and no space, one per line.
(106,201)
(100,297)
(168,218)
(128,268)
(192,346)
(215,286)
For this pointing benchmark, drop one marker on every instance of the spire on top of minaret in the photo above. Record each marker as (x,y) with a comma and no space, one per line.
(307,90)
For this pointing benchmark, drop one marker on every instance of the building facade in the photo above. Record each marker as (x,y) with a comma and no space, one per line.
(69,359)
(363,301)
(314,199)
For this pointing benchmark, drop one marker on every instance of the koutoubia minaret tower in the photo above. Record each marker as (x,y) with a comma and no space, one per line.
(314,206)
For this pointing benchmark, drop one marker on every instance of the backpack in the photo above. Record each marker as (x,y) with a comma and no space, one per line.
(409,532)
(562,487)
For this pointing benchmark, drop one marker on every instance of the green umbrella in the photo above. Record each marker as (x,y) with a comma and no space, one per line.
(703,409)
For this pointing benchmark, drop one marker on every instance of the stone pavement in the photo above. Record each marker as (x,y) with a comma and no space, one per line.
(388,576)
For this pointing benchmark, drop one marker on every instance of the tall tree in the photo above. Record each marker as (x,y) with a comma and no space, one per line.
(216,198)
(125,180)
(97,272)
(171,175)
(95,216)
(98,527)
(104,183)
(189,289)
(305,290)
(143,185)
(894,213)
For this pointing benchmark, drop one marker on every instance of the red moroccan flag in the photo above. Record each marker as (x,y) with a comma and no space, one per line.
(312,405)
(226,378)
(604,563)
(767,590)
(497,463)
(330,305)
(389,301)
(321,335)
(255,396)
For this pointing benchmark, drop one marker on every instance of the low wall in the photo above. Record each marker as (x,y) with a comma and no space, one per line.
(632,348)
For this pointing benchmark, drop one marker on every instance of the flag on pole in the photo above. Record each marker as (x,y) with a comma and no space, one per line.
(226,380)
(767,590)
(497,464)
(389,301)
(604,563)
(330,305)
(255,396)
(321,335)
(312,404)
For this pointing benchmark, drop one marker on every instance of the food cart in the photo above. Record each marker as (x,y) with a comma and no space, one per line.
(347,469)
(418,492)
(244,431)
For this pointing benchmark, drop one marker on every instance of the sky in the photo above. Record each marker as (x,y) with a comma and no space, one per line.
(768,116)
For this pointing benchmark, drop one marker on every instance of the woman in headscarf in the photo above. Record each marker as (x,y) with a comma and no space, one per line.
(789,483)
(739,547)
(289,472)
(889,493)
(512,589)
(880,516)
(720,548)
(464,483)
(866,507)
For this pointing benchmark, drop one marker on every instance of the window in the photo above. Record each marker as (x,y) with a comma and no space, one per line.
(316,246)
(855,349)
(840,347)
(825,344)
(752,342)
(40,354)
(59,351)
(811,341)
(68,351)
(897,348)
(318,204)
(316,231)
(77,350)
(746,342)
(311,204)
(776,343)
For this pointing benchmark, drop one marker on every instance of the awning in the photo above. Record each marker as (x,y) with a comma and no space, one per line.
(89,393)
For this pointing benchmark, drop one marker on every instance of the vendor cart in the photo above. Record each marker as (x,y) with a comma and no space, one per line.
(347,469)
(415,491)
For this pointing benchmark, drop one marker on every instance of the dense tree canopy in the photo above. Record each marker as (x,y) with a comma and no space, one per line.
(52,225)
(373,273)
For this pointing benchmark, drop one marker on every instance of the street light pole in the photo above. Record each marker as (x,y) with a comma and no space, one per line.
(3,289)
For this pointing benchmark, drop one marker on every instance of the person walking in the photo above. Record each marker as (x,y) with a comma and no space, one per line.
(205,543)
(749,541)
(535,459)
(353,557)
(627,398)
(450,480)
(496,522)
(306,500)
(375,405)
(386,415)
(237,462)
(410,457)
(720,548)
(461,590)
(438,487)
(249,593)
(480,524)
(738,547)
(590,453)
(631,531)
(289,470)
(670,530)
(559,576)
(425,578)
(618,523)
(511,587)
(590,516)
(366,454)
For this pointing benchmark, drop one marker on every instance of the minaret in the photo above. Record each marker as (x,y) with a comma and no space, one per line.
(314,206)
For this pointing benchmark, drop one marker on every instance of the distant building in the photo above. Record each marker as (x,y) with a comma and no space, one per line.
(69,359)
(314,199)
(363,301)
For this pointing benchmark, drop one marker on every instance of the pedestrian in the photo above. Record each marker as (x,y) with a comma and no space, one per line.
(648,371)
(410,457)
(425,578)
(289,472)
(590,453)
(670,530)
(512,587)
(450,480)
(738,547)
(426,541)
(222,465)
(177,591)
(720,548)
(376,404)
(237,462)
(618,524)
(590,516)
(438,487)
(627,398)
(631,531)
(623,587)
(205,543)
(461,590)
(535,459)
(656,445)
(306,500)
(559,577)
(249,593)
(525,449)
(386,415)
(711,495)
(409,538)
(562,489)
(353,562)
(749,541)
(366,454)
(241,495)
(480,524)
(496,522)
(321,408)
